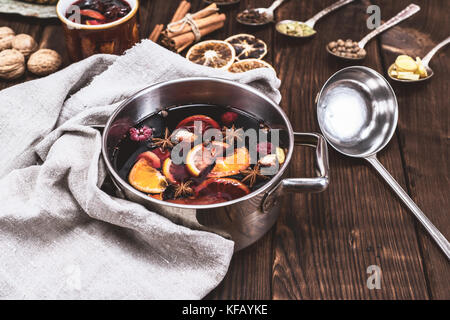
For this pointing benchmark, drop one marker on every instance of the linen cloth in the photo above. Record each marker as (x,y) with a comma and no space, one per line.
(61,236)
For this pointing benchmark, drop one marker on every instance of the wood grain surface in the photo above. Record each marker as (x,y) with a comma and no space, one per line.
(323,244)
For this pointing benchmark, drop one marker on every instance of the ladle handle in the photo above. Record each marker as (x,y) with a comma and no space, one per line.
(275,5)
(402,15)
(432,230)
(311,22)
(427,58)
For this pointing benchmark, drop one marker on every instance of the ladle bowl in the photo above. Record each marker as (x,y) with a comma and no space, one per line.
(357,111)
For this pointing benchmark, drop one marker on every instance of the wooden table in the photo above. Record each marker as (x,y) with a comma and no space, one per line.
(323,244)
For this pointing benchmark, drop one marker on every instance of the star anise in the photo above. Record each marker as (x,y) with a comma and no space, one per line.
(232,134)
(163,143)
(251,175)
(183,189)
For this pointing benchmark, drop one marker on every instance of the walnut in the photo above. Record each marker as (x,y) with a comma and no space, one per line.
(6,36)
(24,43)
(44,62)
(6,31)
(12,64)
(5,42)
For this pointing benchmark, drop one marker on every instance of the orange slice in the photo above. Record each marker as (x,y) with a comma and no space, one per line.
(200,157)
(205,122)
(152,159)
(215,190)
(144,177)
(231,165)
(173,172)
(221,188)
(161,154)
(157,196)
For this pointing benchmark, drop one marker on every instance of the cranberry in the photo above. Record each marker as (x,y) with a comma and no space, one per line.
(140,134)
(264,148)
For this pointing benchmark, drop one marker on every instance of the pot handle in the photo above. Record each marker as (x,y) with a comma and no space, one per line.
(319,183)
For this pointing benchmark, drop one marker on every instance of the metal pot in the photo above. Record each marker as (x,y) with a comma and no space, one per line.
(243,220)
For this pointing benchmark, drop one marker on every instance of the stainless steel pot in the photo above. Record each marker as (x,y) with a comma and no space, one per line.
(243,220)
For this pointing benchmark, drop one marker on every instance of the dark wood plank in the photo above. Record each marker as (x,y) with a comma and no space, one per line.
(323,248)
(249,276)
(423,129)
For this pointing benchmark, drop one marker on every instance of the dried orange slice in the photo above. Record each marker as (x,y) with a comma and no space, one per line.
(248,64)
(173,172)
(144,177)
(222,188)
(247,46)
(200,157)
(212,53)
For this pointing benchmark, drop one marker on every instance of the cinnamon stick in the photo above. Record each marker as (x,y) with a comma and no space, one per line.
(212,8)
(154,36)
(183,47)
(207,19)
(181,11)
(201,23)
(188,38)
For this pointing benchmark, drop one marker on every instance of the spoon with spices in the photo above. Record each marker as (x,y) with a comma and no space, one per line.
(406,69)
(352,50)
(298,29)
(258,16)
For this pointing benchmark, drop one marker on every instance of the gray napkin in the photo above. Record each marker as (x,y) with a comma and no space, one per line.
(61,236)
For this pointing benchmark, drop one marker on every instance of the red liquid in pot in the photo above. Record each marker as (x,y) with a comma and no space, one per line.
(217,179)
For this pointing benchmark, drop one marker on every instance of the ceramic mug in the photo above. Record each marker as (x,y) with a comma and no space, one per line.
(112,38)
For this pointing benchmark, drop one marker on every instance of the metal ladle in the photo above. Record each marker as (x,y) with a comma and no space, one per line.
(425,63)
(357,112)
(402,15)
(311,22)
(267,13)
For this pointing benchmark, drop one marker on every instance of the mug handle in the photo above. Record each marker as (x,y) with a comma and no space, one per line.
(317,184)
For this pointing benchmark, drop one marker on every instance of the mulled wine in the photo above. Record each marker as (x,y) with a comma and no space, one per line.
(199,154)
(96,12)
